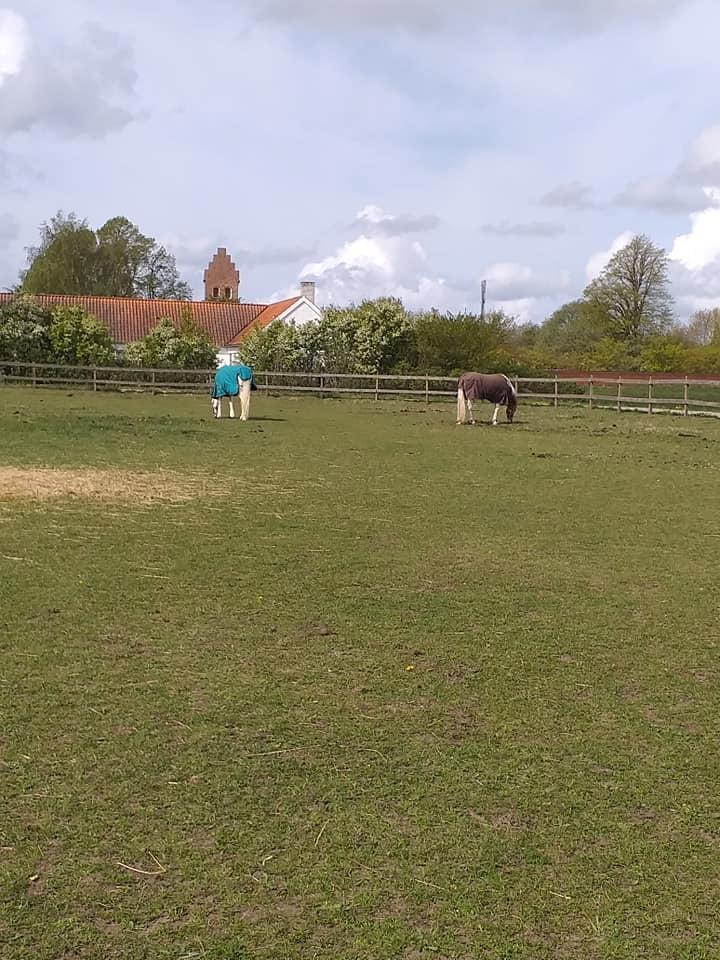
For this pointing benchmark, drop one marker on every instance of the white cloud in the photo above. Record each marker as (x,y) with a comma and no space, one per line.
(684,190)
(662,194)
(514,281)
(702,162)
(377,221)
(372,266)
(598,261)
(368,267)
(701,247)
(13,43)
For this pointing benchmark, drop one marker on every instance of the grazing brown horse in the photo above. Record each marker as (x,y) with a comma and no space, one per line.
(494,387)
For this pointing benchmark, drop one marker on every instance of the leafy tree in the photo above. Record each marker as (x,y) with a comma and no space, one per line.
(25,331)
(65,259)
(79,338)
(187,346)
(116,260)
(572,329)
(447,344)
(281,346)
(384,335)
(632,291)
(609,354)
(663,355)
(372,337)
(703,328)
(703,359)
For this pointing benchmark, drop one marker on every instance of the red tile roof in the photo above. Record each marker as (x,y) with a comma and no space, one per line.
(271,312)
(129,320)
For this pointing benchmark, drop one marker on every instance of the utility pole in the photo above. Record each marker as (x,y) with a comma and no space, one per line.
(483,288)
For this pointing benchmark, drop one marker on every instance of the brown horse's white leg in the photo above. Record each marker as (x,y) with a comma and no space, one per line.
(495,414)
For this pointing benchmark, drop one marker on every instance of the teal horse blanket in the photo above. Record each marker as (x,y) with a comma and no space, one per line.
(226,380)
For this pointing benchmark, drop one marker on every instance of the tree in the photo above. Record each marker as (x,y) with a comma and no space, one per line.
(116,260)
(632,291)
(372,337)
(77,337)
(572,330)
(704,328)
(663,355)
(184,347)
(447,344)
(281,346)
(609,354)
(25,331)
(65,260)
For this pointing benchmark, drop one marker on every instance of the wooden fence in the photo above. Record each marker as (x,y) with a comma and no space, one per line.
(659,394)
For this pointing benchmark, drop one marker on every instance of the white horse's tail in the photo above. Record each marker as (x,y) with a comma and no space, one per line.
(512,400)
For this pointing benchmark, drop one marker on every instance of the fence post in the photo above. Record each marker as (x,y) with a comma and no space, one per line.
(590,395)
(685,396)
(377,386)
(322,386)
(650,395)
(619,395)
(32,373)
(94,379)
(555,398)
(427,390)
(152,382)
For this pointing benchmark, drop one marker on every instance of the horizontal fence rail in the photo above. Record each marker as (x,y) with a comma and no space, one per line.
(660,394)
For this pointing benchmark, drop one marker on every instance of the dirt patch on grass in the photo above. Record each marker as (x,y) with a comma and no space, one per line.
(45,483)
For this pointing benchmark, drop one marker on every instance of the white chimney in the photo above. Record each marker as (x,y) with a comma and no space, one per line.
(307,290)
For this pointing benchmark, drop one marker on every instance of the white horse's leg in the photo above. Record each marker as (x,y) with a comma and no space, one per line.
(218,407)
(232,408)
(245,399)
(495,414)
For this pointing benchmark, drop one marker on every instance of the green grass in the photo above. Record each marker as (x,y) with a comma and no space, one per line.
(404,690)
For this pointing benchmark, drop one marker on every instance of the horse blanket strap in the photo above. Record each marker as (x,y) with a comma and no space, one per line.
(486,386)
(226,380)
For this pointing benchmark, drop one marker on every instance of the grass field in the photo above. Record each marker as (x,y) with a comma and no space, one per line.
(350,682)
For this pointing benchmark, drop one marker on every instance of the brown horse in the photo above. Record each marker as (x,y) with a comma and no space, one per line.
(495,387)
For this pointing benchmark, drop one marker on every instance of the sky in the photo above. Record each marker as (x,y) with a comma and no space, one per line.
(379,147)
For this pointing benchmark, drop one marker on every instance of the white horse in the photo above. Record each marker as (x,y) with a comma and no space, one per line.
(235,380)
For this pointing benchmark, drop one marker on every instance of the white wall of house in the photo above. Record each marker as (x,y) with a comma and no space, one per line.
(299,313)
(303,312)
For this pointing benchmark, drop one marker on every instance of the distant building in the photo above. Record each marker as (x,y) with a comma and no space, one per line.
(226,318)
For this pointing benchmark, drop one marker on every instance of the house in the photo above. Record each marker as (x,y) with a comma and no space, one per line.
(226,318)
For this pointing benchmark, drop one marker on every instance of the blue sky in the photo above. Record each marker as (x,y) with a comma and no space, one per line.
(395,147)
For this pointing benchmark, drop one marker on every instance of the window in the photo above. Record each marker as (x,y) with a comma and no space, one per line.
(216,292)
(228,293)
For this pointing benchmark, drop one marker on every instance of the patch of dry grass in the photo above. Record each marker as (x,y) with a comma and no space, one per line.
(45,483)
